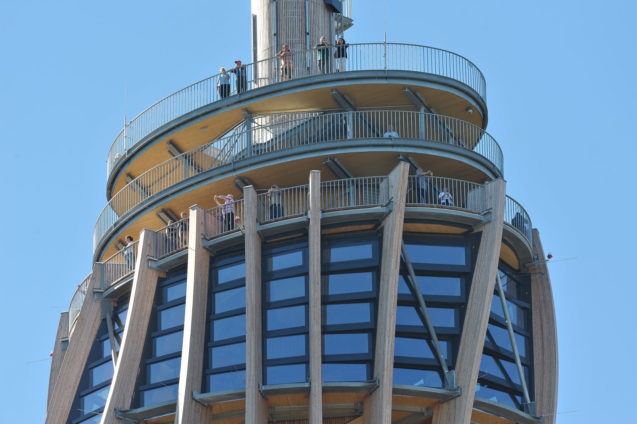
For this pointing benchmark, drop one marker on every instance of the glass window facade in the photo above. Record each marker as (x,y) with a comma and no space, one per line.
(443,268)
(95,382)
(159,376)
(349,302)
(224,367)
(285,314)
(499,378)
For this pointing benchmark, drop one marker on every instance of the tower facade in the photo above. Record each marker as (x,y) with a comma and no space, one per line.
(321,236)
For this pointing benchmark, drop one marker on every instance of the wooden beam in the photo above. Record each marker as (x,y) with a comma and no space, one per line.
(77,352)
(58,351)
(194,343)
(458,410)
(545,362)
(316,378)
(378,407)
(135,330)
(256,408)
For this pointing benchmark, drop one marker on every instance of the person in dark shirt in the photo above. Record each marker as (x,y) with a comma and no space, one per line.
(341,54)
(242,77)
(323,55)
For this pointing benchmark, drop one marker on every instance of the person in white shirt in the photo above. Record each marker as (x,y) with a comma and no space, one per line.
(445,198)
(390,133)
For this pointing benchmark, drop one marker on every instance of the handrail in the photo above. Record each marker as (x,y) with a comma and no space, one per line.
(446,192)
(283,203)
(294,133)
(223,219)
(348,193)
(361,57)
(77,301)
(517,217)
(119,265)
(172,238)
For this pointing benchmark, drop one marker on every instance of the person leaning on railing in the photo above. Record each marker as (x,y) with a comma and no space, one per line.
(285,59)
(423,184)
(323,55)
(183,230)
(341,54)
(227,210)
(276,206)
(223,83)
(129,253)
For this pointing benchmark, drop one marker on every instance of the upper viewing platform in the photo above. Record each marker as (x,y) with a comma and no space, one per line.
(456,88)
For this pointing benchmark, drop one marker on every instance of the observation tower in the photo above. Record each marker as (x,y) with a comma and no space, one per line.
(328,239)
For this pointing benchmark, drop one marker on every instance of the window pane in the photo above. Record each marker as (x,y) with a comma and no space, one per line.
(106,348)
(352,252)
(285,347)
(228,328)
(231,273)
(229,300)
(422,378)
(435,254)
(348,313)
(176,291)
(282,374)
(161,394)
(227,381)
(165,370)
(287,288)
(120,321)
(172,317)
(433,286)
(344,372)
(350,283)
(95,419)
(440,317)
(95,400)
(101,373)
(489,366)
(170,343)
(502,339)
(346,344)
(224,356)
(485,392)
(418,348)
(286,317)
(285,260)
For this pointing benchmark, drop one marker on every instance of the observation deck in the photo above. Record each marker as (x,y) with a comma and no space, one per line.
(149,160)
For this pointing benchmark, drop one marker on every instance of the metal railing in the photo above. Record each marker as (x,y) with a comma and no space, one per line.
(77,301)
(171,238)
(120,265)
(280,134)
(223,219)
(354,193)
(446,192)
(283,203)
(515,216)
(304,63)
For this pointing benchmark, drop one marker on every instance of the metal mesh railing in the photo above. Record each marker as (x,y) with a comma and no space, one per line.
(77,301)
(120,265)
(171,238)
(354,193)
(223,219)
(287,133)
(516,216)
(445,192)
(283,203)
(305,63)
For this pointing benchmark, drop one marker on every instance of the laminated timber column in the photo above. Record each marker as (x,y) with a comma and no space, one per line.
(140,308)
(314,241)
(58,351)
(256,410)
(458,410)
(193,348)
(379,405)
(77,352)
(545,363)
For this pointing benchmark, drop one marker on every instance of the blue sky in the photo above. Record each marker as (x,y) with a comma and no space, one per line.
(560,84)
